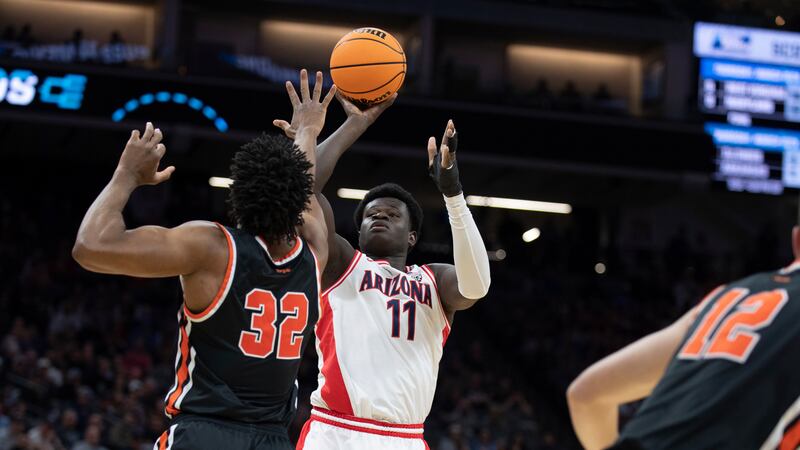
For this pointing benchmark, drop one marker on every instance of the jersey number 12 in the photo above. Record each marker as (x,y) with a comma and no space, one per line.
(736,337)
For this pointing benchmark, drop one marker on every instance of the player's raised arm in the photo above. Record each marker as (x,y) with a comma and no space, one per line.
(332,148)
(104,244)
(308,119)
(628,375)
(468,281)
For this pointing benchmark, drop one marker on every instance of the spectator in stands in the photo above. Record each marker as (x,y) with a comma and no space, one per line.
(25,37)
(91,439)
(541,96)
(569,98)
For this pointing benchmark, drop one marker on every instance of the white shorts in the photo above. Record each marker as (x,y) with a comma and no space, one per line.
(327,430)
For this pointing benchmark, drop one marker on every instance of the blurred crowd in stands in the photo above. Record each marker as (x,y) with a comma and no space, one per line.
(86,359)
(23,44)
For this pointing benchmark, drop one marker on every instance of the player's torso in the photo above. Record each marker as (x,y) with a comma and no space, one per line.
(734,382)
(239,358)
(380,339)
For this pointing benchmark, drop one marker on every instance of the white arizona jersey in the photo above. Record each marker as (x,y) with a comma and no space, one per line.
(380,338)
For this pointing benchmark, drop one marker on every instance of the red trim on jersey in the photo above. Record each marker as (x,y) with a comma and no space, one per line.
(221,291)
(353,262)
(182,372)
(334,392)
(791,438)
(369,421)
(360,429)
(301,441)
(438,295)
(445,335)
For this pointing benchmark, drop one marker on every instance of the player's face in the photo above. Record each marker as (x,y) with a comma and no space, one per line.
(386,228)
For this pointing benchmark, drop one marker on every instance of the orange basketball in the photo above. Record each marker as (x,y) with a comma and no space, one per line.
(368,66)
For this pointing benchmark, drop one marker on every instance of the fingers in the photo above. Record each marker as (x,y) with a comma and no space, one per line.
(382,106)
(160,150)
(148,132)
(431,150)
(163,175)
(447,157)
(448,130)
(157,137)
(388,102)
(282,124)
(317,87)
(304,96)
(329,97)
(292,94)
(134,136)
(348,106)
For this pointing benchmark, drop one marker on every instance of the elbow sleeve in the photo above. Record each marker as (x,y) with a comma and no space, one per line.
(469,251)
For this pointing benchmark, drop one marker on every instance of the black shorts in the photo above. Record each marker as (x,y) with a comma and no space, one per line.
(190,432)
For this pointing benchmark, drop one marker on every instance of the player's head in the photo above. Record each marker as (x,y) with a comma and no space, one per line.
(389,220)
(271,187)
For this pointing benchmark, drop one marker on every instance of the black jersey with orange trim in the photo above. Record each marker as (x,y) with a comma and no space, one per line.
(238,359)
(735,380)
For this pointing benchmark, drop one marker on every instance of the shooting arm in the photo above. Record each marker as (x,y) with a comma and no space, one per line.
(628,375)
(105,245)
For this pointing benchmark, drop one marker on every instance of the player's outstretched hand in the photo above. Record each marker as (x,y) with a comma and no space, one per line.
(442,166)
(141,157)
(308,111)
(368,116)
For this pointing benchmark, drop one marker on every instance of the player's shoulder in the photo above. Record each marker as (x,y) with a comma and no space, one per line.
(204,236)
(767,280)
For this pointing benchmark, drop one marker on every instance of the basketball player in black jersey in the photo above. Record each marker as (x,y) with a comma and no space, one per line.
(723,376)
(250,292)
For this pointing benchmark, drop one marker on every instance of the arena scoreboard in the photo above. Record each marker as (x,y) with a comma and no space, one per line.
(749,91)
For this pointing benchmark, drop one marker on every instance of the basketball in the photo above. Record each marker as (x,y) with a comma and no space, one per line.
(368,65)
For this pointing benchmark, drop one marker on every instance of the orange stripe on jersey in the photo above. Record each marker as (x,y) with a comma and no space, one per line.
(162,441)
(791,439)
(182,372)
(225,280)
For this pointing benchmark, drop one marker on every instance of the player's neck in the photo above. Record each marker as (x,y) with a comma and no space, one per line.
(398,261)
(279,250)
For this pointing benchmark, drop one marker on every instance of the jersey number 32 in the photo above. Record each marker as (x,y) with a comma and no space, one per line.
(260,340)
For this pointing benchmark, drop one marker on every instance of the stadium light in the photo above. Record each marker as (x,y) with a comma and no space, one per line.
(352,194)
(220,182)
(531,235)
(522,205)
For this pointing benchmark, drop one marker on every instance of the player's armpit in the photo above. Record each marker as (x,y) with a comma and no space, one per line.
(340,252)
(628,375)
(315,231)
(153,252)
(447,282)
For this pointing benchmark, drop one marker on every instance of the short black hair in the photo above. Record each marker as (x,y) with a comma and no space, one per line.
(391,190)
(271,187)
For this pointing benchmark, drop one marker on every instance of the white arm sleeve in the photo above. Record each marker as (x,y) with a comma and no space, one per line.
(469,251)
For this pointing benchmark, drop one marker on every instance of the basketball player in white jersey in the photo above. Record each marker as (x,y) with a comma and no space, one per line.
(383,324)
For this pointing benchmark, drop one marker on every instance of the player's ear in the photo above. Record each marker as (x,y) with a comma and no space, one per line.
(412,239)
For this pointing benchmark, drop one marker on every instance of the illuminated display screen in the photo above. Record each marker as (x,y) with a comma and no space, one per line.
(124,98)
(751,79)
(757,160)
(23,88)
